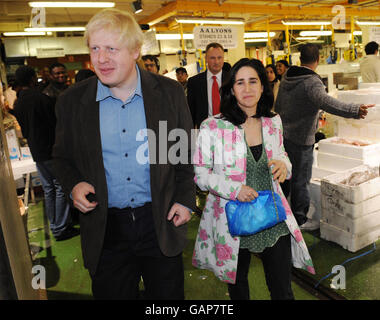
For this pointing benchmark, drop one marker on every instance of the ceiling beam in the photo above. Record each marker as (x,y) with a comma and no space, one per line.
(161,14)
(181,6)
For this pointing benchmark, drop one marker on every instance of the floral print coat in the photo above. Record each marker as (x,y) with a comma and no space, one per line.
(220,167)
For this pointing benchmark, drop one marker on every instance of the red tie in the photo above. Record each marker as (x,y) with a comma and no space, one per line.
(215,97)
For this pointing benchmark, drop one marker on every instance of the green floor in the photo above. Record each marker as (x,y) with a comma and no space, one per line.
(66,277)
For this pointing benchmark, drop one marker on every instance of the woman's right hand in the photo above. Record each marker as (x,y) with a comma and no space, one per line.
(247,194)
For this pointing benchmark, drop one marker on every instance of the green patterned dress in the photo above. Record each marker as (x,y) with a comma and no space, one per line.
(259,178)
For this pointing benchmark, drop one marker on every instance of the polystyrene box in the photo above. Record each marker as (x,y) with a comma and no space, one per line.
(319,173)
(348,240)
(349,210)
(355,226)
(371,85)
(332,186)
(358,130)
(363,96)
(336,145)
(337,163)
(314,212)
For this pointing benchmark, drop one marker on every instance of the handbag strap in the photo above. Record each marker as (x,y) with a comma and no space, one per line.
(271,188)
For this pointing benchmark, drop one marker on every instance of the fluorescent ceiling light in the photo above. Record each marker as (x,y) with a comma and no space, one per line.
(258,34)
(209,21)
(315,33)
(306,38)
(306,23)
(72,4)
(173,36)
(19,34)
(256,40)
(137,7)
(368,23)
(56,29)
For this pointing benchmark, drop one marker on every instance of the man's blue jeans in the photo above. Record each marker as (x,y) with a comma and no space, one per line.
(57,209)
(301,158)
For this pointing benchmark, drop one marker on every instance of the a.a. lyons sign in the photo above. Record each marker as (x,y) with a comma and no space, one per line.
(226,36)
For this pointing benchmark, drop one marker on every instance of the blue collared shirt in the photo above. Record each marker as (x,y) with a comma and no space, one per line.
(128,181)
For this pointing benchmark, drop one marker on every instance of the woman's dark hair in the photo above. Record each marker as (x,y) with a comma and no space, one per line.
(229,107)
(284,62)
(273,67)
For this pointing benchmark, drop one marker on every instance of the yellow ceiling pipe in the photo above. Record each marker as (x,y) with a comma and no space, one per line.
(161,14)
(183,6)
(213,6)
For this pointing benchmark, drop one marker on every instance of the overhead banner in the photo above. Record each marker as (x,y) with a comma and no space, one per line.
(226,36)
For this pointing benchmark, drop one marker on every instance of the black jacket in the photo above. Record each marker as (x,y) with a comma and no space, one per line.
(35,113)
(197,97)
(78,157)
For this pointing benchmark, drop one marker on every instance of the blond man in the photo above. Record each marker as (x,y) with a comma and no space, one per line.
(134,212)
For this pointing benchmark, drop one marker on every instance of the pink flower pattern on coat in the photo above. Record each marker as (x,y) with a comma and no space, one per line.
(231,274)
(213,125)
(298,235)
(217,209)
(203,234)
(215,249)
(223,251)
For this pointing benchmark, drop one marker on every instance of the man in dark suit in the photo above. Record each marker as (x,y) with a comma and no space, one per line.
(111,144)
(203,94)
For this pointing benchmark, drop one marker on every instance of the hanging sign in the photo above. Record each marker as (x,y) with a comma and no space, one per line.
(150,44)
(226,36)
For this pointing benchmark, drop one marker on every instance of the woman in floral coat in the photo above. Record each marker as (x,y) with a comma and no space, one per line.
(238,153)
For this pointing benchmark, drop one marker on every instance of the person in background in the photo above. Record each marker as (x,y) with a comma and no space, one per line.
(273,79)
(248,158)
(300,98)
(281,66)
(181,74)
(108,154)
(203,94)
(35,113)
(84,74)
(45,78)
(226,67)
(151,63)
(370,65)
(57,85)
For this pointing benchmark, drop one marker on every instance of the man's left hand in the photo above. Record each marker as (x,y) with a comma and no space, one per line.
(179,214)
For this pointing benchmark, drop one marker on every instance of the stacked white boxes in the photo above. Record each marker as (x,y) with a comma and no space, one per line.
(368,128)
(350,214)
(350,209)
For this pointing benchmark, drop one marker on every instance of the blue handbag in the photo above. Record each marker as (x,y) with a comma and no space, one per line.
(247,218)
